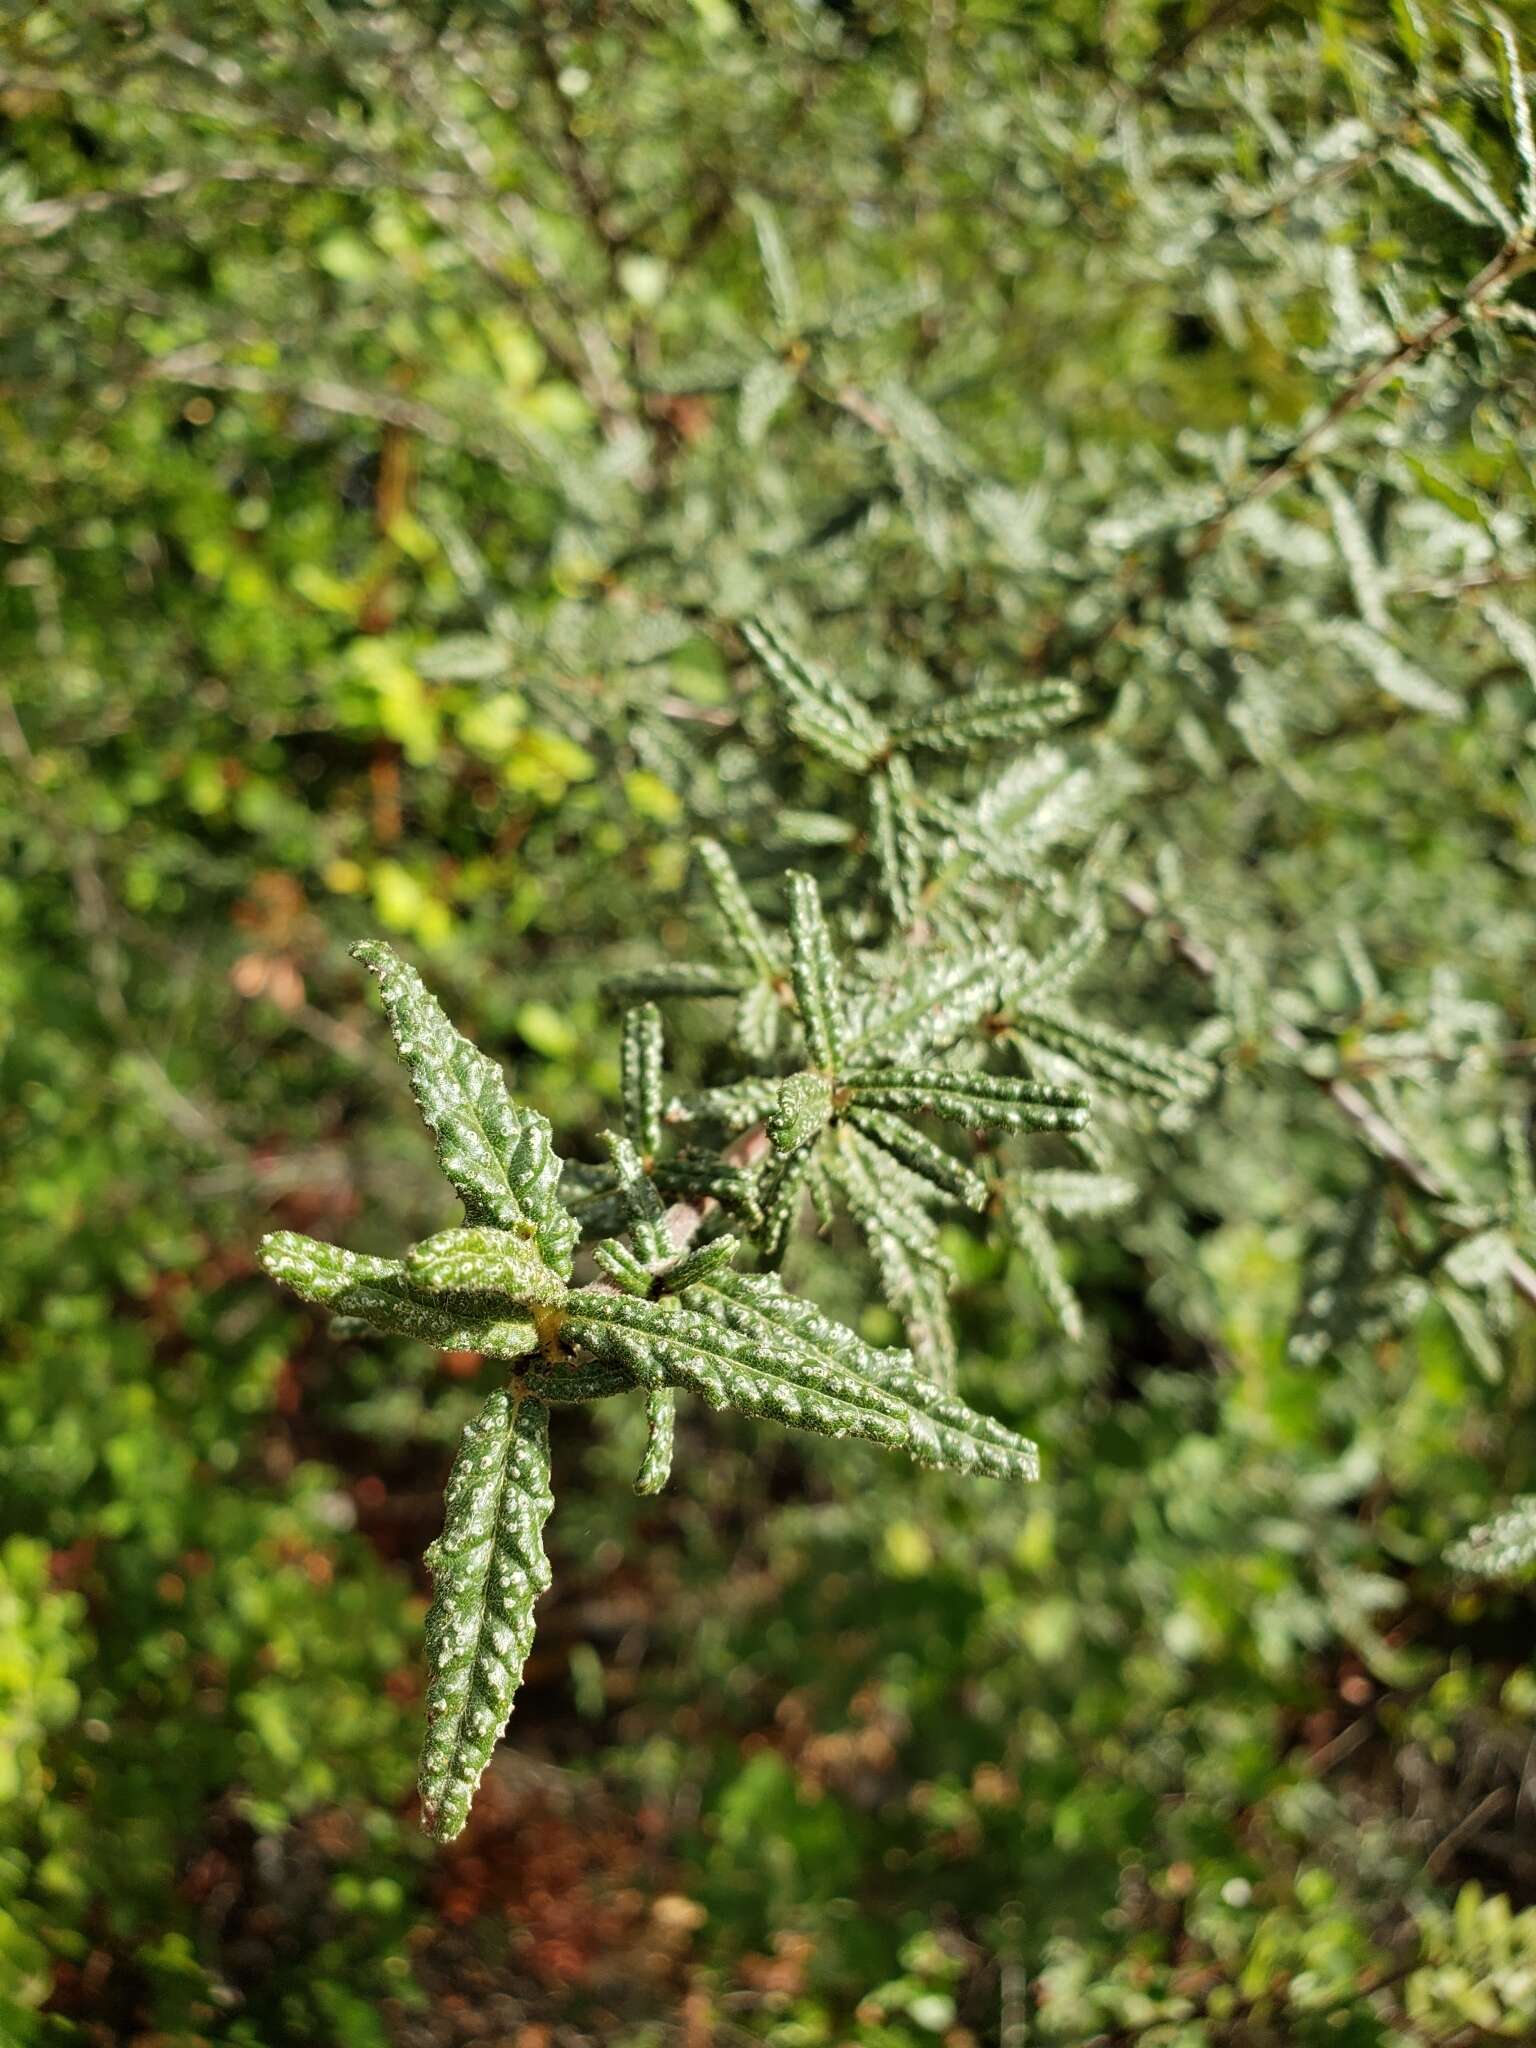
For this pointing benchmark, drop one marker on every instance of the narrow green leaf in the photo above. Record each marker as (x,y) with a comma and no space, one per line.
(759,1015)
(1132,1063)
(676,978)
(1517,635)
(934,1004)
(1015,519)
(748,1346)
(501,1263)
(778,266)
(498,1156)
(565,1384)
(647,1218)
(921,431)
(998,1102)
(883,1194)
(743,1366)
(660,1424)
(823,1195)
(1012,824)
(703,1263)
(1469,167)
(957,1422)
(1393,672)
(1065,1192)
(764,391)
(821,712)
(1411,29)
(743,927)
(886,1202)
(1355,550)
(691,1174)
(1027,1228)
(1471,1326)
(734,1107)
(621,1266)
(488,1569)
(1518,105)
(813,969)
(918,1289)
(1431,179)
(987,718)
(640,1051)
(380,1292)
(1522,1182)
(782,1195)
(763,1296)
(1337,1277)
(895,837)
(918,1152)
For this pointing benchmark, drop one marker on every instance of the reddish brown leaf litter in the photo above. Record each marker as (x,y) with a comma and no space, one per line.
(556,1921)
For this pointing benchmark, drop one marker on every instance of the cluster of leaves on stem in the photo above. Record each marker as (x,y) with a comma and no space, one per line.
(669,1311)
(428,477)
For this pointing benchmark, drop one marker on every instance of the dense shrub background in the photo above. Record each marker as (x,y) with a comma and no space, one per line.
(398,406)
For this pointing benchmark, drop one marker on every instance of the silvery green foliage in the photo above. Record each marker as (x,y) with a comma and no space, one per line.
(660,1429)
(825,714)
(1504,1548)
(848,1130)
(488,1568)
(982,1102)
(920,942)
(813,971)
(667,1313)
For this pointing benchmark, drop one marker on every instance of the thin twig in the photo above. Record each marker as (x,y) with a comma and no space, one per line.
(43,218)
(571,155)
(1512,260)
(1485,1809)
(195,365)
(1225,14)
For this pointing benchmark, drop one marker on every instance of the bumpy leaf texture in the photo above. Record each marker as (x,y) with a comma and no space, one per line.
(488,1569)
(498,1156)
(382,1293)
(741,1342)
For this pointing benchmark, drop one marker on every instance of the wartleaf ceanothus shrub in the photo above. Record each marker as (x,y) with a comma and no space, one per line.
(667,1311)
(1180,353)
(934,1002)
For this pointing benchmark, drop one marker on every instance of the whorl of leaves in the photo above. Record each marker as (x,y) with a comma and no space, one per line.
(668,1312)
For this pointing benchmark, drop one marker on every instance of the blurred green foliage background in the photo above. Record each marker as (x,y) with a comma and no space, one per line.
(397,405)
